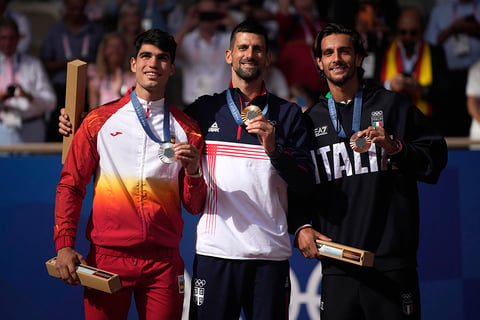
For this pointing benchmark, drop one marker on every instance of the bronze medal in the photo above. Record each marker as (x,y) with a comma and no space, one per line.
(166,153)
(360,144)
(250,112)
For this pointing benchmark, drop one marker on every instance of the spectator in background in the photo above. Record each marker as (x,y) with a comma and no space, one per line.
(23,26)
(25,91)
(375,37)
(296,31)
(414,67)
(73,37)
(201,50)
(110,77)
(455,26)
(129,24)
(105,12)
(275,80)
(473,102)
(165,15)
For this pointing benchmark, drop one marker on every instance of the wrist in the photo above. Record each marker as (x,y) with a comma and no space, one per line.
(276,153)
(196,174)
(305,226)
(396,149)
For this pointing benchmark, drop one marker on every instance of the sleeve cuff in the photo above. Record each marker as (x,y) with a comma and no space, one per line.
(63,242)
(399,146)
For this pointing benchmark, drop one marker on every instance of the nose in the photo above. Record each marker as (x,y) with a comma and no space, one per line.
(335,56)
(249,52)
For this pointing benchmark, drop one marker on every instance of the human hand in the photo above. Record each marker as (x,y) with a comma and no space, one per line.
(64,125)
(189,156)
(397,83)
(305,242)
(380,137)
(264,131)
(67,260)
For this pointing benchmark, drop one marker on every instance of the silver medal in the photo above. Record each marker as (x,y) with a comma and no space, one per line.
(166,153)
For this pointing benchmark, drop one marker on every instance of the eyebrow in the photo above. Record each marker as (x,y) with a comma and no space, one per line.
(339,48)
(160,55)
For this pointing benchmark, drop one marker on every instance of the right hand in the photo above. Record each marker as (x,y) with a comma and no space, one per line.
(64,125)
(305,242)
(67,260)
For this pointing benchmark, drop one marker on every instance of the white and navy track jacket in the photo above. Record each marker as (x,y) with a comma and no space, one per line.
(245,215)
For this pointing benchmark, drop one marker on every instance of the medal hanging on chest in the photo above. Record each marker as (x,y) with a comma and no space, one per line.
(248,113)
(166,153)
(358,144)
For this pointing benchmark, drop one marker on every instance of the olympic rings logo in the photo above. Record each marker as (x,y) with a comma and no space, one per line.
(199,282)
(310,298)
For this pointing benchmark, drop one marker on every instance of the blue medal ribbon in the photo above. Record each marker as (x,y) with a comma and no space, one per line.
(143,120)
(357,113)
(234,110)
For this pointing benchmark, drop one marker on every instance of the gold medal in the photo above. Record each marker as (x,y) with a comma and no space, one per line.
(166,153)
(250,112)
(360,144)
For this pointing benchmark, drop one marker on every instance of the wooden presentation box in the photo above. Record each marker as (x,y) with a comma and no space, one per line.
(345,253)
(91,277)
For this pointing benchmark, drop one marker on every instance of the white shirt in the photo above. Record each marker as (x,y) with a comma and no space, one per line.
(203,65)
(29,73)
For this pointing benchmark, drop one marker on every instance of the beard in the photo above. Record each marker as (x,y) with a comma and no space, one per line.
(340,80)
(247,75)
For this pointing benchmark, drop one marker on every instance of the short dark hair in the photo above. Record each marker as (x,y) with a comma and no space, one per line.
(250,26)
(334,28)
(160,39)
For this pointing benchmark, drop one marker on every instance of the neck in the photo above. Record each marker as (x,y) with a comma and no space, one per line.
(149,95)
(344,92)
(249,89)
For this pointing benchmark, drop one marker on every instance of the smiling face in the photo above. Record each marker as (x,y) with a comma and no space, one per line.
(152,67)
(248,56)
(338,59)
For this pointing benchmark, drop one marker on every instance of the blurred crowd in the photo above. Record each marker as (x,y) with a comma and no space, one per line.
(430,53)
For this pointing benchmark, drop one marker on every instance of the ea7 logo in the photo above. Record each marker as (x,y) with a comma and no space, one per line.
(320,131)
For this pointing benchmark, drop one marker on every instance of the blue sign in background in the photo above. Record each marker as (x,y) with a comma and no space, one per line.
(449,260)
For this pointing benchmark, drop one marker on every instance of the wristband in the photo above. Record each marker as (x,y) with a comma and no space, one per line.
(301,228)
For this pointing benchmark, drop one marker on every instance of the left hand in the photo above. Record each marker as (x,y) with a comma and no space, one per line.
(380,137)
(188,155)
(264,131)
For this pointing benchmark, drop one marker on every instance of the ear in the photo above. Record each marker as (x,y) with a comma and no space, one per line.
(228,56)
(358,60)
(268,59)
(319,63)
(172,69)
(133,65)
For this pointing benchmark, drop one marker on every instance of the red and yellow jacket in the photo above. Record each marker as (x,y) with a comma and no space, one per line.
(137,198)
